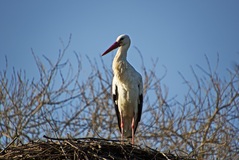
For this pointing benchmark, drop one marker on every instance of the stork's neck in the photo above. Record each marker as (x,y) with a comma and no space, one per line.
(121,53)
(120,63)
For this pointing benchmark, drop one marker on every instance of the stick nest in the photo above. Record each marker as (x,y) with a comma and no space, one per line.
(83,148)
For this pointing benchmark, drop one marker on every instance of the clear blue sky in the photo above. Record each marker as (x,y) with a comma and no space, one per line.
(179,33)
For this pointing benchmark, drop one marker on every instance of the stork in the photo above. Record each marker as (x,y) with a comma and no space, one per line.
(127,89)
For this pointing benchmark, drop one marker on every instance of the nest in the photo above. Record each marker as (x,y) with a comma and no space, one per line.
(83,148)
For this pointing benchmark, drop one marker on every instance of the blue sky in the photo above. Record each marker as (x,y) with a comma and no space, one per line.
(178,33)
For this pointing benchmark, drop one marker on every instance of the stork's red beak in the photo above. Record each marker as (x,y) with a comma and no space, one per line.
(114,46)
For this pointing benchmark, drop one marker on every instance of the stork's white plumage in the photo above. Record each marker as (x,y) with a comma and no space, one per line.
(127,89)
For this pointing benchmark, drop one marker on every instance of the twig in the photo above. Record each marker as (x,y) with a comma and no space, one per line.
(10,144)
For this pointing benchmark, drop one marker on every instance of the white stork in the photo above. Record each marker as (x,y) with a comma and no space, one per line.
(127,89)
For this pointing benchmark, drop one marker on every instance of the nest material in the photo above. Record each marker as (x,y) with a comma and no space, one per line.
(83,148)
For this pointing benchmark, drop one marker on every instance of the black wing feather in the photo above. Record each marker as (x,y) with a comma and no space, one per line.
(140,107)
(115,99)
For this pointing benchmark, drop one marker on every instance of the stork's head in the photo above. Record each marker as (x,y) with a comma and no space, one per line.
(123,40)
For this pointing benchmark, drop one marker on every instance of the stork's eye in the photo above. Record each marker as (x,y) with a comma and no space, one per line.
(121,39)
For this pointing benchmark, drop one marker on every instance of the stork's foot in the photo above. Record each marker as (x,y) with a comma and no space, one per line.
(132,139)
(122,131)
(132,126)
(122,138)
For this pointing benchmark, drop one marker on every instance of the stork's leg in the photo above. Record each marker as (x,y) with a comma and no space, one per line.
(132,126)
(122,128)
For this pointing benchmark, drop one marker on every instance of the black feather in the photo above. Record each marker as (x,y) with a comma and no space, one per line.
(140,106)
(115,99)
